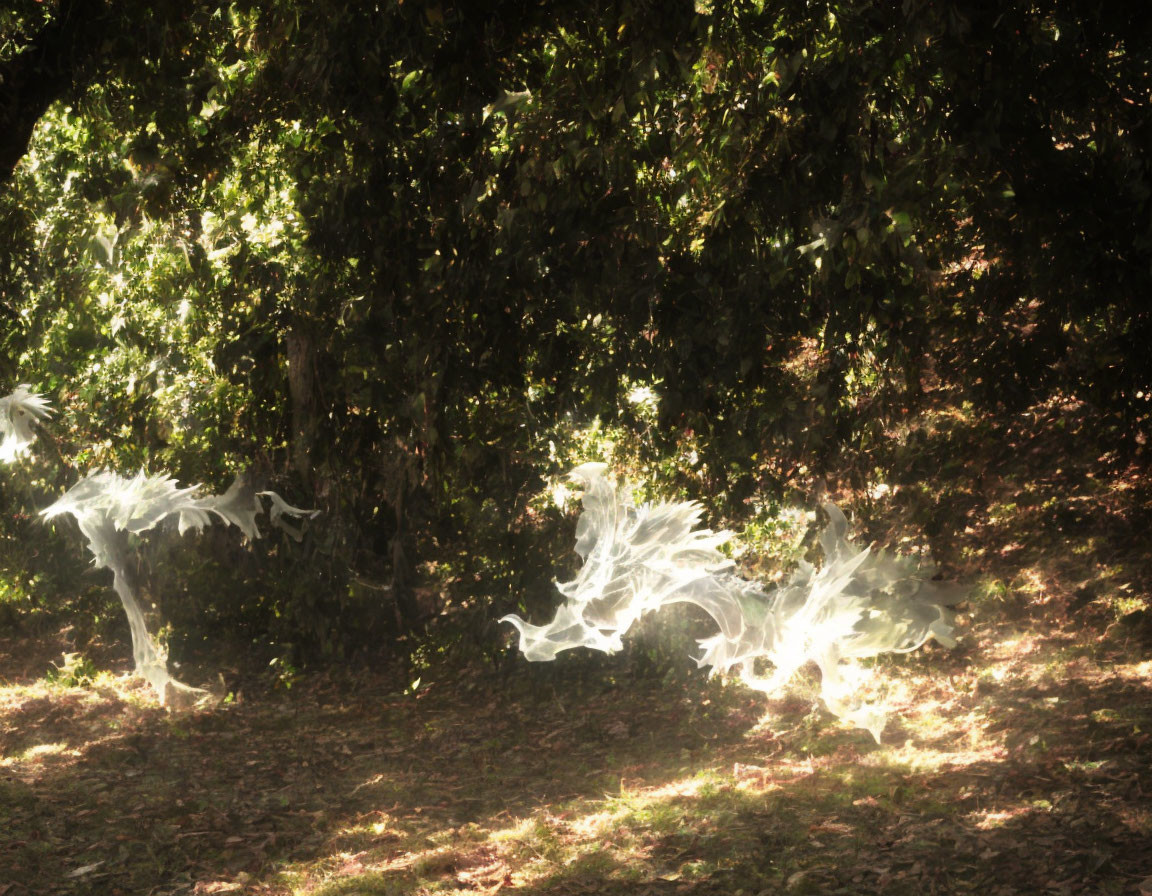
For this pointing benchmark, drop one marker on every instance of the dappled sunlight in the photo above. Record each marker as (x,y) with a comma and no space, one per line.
(46,727)
(36,755)
(408,262)
(660,788)
(706,786)
(1034,729)
(1135,672)
(990,820)
(624,835)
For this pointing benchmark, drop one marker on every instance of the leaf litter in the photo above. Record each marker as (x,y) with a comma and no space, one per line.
(1020,762)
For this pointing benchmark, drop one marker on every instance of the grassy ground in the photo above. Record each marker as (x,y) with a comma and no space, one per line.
(1020,762)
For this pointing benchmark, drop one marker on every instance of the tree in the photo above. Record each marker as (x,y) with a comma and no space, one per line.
(407,255)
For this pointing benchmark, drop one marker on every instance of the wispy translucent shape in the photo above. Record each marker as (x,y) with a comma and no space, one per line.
(109,507)
(19,413)
(639,558)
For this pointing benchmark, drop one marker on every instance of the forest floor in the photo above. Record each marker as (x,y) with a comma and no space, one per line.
(1019,762)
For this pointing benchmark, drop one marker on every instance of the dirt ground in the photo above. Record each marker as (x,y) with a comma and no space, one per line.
(1019,762)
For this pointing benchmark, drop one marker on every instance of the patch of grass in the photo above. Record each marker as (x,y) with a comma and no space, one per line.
(73,671)
(370,884)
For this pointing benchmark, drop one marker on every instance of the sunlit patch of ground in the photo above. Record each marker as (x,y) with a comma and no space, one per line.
(1002,765)
(953,803)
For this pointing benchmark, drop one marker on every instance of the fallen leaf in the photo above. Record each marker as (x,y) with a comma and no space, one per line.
(84,869)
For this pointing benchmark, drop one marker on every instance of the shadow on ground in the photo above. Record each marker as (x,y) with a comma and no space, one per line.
(1018,763)
(160,802)
(1040,778)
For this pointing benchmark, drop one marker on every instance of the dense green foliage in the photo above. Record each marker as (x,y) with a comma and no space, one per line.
(407,260)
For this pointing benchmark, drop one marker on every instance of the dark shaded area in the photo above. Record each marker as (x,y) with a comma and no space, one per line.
(58,61)
(400,260)
(286,775)
(165,802)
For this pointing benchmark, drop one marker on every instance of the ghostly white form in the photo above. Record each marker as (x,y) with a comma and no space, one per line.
(109,508)
(19,412)
(638,558)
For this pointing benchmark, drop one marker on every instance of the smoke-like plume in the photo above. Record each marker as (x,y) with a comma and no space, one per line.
(109,507)
(639,558)
(19,413)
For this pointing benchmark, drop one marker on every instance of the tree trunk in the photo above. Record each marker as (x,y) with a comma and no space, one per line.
(301,350)
(406,610)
